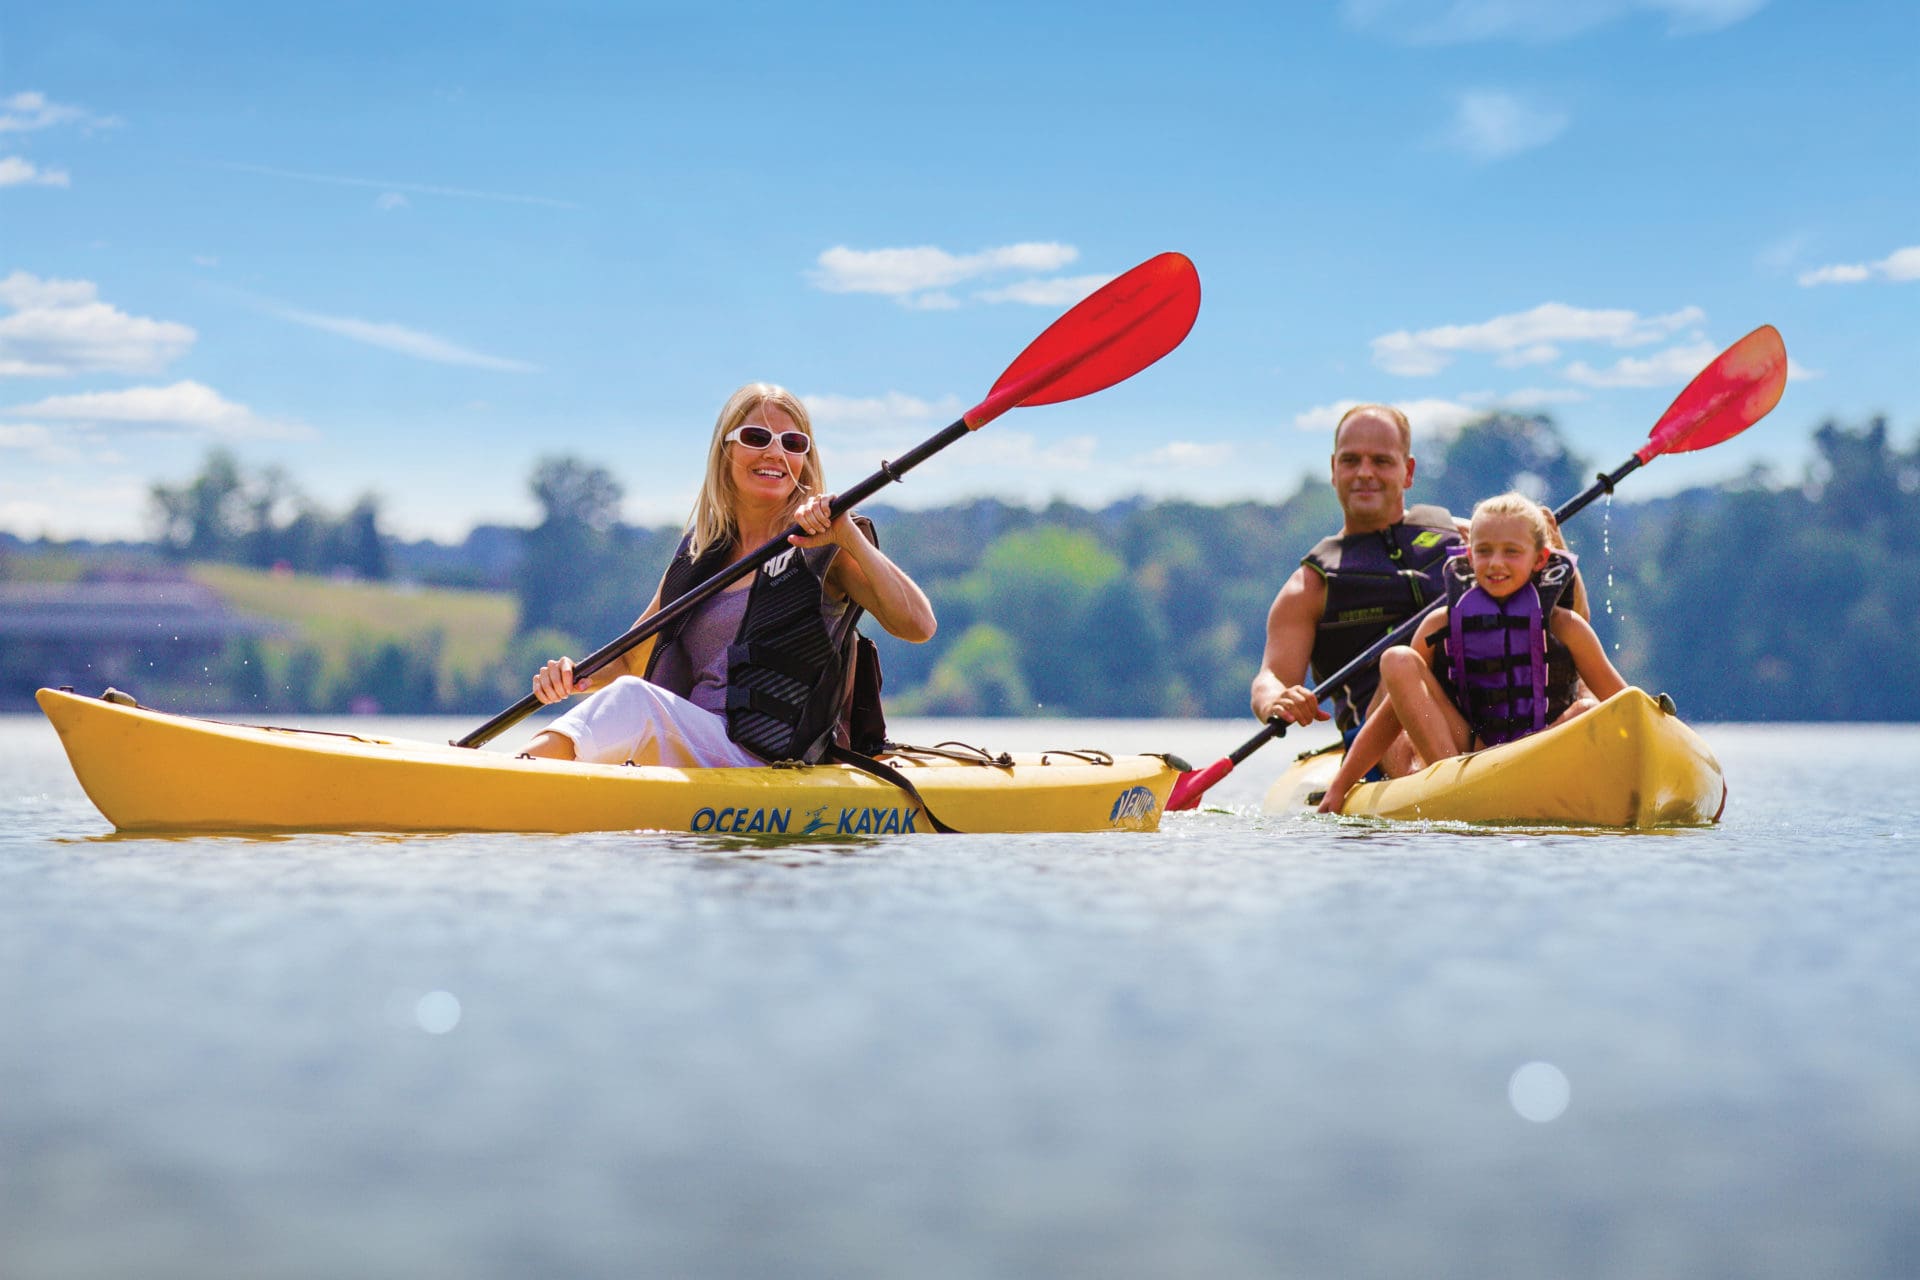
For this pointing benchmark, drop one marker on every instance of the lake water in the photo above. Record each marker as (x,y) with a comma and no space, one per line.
(1243,1046)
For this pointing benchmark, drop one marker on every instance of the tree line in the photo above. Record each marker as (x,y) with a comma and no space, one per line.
(1763,598)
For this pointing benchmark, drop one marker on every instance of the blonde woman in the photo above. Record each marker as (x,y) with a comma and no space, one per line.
(762,670)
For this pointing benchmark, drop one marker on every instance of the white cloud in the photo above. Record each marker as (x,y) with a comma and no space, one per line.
(1187,454)
(189,405)
(205,260)
(1900,266)
(81,504)
(23,435)
(32,111)
(1675,364)
(1529,398)
(1537,21)
(15,172)
(406,342)
(1490,124)
(868,413)
(59,328)
(389,201)
(1525,337)
(1429,418)
(1006,450)
(1060,291)
(22,291)
(918,276)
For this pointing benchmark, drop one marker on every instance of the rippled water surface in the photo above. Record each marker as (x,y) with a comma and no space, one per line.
(1243,1046)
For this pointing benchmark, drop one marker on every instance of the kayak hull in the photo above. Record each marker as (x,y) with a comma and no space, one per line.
(149,771)
(1627,764)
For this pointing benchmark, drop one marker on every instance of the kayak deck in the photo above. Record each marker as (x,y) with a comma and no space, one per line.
(148,770)
(1630,763)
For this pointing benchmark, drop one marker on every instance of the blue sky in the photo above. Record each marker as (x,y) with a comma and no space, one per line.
(411,252)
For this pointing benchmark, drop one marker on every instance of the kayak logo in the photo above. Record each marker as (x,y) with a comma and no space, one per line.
(1430,538)
(1133,808)
(860,821)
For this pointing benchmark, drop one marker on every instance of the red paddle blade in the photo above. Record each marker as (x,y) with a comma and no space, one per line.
(1189,787)
(1738,389)
(1110,335)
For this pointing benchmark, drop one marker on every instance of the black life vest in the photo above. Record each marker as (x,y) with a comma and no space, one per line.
(795,689)
(1376,581)
(1496,654)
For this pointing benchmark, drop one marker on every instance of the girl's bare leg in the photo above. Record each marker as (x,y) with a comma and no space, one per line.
(1433,724)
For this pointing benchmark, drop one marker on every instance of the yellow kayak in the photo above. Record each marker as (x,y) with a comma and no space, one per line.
(1628,763)
(147,770)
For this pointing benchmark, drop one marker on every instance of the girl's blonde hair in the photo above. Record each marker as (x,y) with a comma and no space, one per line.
(1520,505)
(713,520)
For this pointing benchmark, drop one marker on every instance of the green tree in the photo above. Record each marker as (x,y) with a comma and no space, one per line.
(202,519)
(567,553)
(1497,453)
(1037,586)
(1122,667)
(978,676)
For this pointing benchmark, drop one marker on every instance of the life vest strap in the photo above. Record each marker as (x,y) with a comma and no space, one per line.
(741,698)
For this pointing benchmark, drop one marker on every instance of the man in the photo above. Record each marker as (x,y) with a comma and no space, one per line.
(1384,566)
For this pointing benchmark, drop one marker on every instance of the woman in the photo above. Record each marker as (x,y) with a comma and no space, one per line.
(759,671)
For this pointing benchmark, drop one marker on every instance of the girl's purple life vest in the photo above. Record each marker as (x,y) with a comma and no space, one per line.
(1504,670)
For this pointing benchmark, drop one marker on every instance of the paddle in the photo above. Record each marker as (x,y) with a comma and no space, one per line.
(1107,337)
(1738,389)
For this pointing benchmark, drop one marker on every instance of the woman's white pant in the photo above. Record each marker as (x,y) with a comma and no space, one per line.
(634,720)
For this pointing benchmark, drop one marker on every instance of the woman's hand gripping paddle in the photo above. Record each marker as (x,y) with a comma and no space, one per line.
(1738,389)
(1112,334)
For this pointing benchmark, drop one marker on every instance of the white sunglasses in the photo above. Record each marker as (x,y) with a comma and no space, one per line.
(794,442)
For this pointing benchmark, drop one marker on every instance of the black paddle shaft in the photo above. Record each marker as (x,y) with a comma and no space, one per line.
(697,596)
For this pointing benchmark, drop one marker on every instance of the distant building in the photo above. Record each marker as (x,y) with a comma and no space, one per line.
(89,634)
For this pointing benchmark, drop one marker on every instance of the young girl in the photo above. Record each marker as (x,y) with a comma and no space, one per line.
(1497,662)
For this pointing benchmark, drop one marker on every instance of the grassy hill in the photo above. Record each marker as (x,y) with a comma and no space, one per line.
(464,634)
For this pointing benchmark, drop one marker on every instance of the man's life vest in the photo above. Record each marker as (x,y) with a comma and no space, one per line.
(1375,581)
(1497,656)
(794,688)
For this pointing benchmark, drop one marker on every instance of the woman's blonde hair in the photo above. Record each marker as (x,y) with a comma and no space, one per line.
(713,520)
(1520,505)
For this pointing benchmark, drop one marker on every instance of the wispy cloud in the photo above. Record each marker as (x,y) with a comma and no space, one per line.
(185,406)
(1900,266)
(416,188)
(32,111)
(59,328)
(404,341)
(15,172)
(922,277)
(1183,455)
(1060,291)
(1524,338)
(1491,124)
(1430,417)
(1535,21)
(1664,368)
(869,413)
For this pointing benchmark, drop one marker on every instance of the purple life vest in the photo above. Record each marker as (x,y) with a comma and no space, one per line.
(1503,668)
